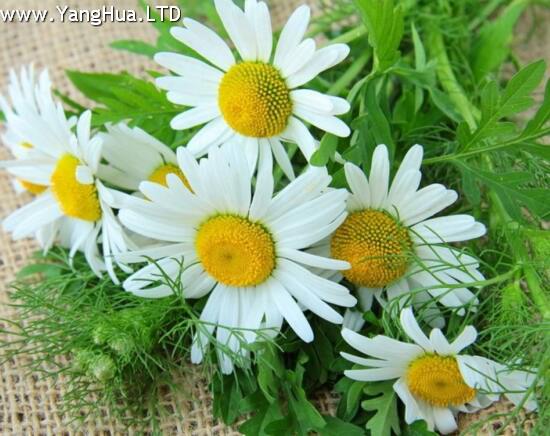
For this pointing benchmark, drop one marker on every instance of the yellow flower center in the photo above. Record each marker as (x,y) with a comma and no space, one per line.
(75,199)
(33,188)
(235,251)
(255,100)
(159,175)
(375,245)
(437,381)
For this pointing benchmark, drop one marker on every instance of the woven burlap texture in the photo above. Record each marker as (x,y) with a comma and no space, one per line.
(29,404)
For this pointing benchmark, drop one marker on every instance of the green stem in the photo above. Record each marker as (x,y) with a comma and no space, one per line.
(500,146)
(350,74)
(349,36)
(448,79)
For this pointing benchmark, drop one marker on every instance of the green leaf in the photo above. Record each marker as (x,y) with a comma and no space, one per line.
(48,269)
(337,427)
(385,26)
(263,417)
(125,97)
(326,150)
(515,98)
(510,187)
(418,428)
(492,46)
(542,116)
(270,371)
(2,116)
(384,406)
(133,46)
(227,398)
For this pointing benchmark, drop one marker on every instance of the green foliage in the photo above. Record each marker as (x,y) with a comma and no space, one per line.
(419,72)
(384,23)
(125,97)
(491,47)
(384,405)
(120,347)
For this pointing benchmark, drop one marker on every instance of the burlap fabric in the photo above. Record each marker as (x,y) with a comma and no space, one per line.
(29,405)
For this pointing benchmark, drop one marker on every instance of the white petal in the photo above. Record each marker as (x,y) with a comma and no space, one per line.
(312,100)
(188,66)
(290,310)
(297,57)
(312,260)
(328,123)
(213,134)
(84,175)
(379,176)
(292,33)
(448,229)
(205,42)
(282,157)
(464,339)
(322,60)
(413,330)
(194,117)
(298,133)
(444,420)
(358,184)
(239,28)
(376,374)
(262,29)
(264,184)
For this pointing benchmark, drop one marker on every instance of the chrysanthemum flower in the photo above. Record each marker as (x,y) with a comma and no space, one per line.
(74,208)
(434,380)
(253,100)
(132,156)
(243,249)
(392,243)
(25,94)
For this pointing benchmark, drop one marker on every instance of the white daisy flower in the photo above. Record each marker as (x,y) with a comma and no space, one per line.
(26,94)
(134,156)
(392,243)
(254,100)
(244,249)
(434,380)
(75,206)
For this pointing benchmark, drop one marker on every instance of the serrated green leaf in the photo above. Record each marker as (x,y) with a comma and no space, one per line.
(515,98)
(542,116)
(510,187)
(384,405)
(385,26)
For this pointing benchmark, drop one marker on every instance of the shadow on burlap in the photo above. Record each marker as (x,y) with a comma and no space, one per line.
(30,404)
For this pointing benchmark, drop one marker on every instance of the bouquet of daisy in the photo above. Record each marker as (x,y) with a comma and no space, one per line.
(258,208)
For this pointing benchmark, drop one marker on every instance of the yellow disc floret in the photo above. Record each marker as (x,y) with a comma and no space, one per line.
(76,200)
(255,100)
(33,188)
(159,175)
(375,245)
(235,251)
(437,381)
